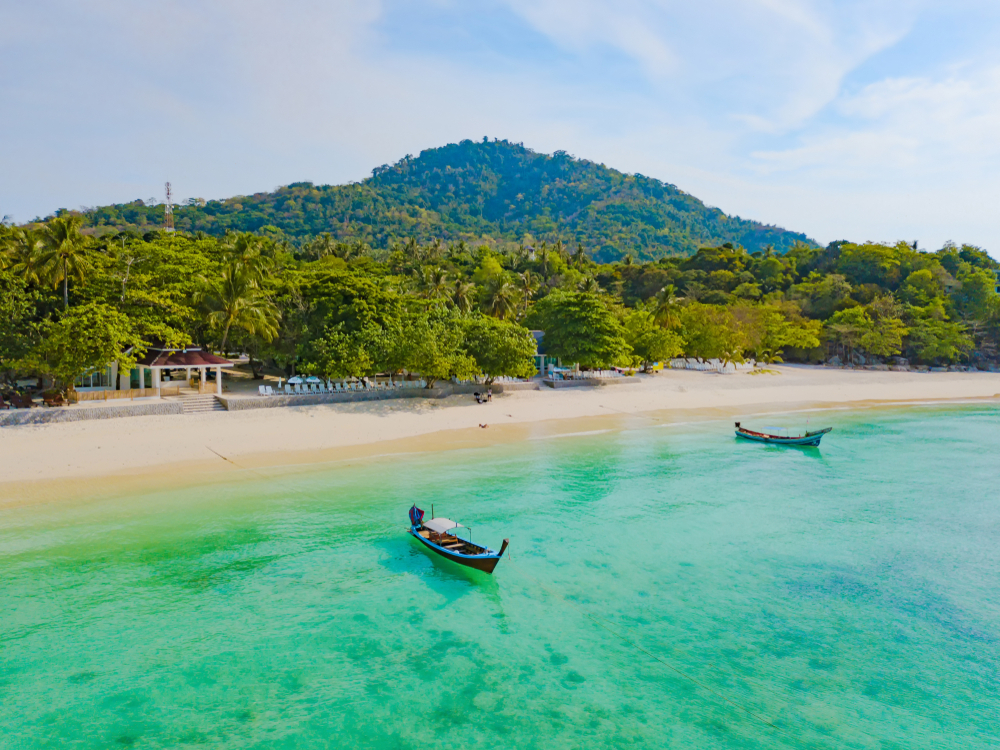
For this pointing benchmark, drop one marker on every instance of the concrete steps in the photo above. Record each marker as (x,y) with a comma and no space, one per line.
(201,404)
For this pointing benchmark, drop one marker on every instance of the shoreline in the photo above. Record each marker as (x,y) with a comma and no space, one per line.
(42,463)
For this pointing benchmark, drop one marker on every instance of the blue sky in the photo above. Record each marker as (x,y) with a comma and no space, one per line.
(869,120)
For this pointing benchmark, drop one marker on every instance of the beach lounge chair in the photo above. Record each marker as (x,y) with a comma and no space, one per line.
(288,390)
(53,399)
(298,389)
(261,390)
(268,390)
(3,404)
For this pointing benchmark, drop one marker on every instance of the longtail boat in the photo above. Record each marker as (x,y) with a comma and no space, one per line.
(441,535)
(810,438)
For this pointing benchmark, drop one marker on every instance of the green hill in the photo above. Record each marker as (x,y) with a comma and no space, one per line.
(472,191)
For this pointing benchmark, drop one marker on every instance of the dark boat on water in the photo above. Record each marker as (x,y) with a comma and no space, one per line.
(810,438)
(441,535)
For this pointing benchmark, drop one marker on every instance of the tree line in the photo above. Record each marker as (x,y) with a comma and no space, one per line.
(340,309)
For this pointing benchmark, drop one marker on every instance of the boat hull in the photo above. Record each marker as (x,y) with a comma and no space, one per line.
(484,562)
(809,439)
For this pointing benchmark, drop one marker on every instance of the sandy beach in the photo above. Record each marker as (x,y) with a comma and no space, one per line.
(307,434)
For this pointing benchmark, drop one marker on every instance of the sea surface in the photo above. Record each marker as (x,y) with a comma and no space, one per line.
(668,587)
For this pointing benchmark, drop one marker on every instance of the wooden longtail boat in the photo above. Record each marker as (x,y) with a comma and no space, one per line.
(441,535)
(810,438)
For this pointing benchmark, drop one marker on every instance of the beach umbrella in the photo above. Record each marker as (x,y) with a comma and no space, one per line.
(295,380)
(313,379)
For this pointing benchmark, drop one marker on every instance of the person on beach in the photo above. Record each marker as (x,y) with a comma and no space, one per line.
(489,394)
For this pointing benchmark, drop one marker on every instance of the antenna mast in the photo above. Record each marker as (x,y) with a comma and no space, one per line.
(168,210)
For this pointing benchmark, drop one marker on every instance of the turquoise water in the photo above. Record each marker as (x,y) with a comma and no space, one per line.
(668,588)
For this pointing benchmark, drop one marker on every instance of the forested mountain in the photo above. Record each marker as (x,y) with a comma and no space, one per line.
(493,191)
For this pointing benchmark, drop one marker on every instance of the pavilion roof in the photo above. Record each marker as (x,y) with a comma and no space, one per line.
(191,356)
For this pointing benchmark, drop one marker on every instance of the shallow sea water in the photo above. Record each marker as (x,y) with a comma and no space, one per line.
(668,587)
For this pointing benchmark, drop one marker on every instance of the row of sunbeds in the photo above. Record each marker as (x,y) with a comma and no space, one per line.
(305,389)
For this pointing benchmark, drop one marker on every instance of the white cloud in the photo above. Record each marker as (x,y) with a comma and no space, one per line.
(924,126)
(627,26)
(770,64)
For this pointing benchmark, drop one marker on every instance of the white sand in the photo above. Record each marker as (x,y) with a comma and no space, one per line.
(301,434)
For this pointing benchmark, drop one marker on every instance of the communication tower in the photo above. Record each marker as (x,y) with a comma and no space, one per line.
(168,210)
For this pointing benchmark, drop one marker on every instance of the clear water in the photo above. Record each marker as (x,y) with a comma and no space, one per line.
(669,588)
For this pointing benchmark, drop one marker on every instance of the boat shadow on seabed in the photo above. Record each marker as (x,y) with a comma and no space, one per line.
(443,576)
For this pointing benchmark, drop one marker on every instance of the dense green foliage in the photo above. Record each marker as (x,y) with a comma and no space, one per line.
(455,311)
(495,192)
(581,327)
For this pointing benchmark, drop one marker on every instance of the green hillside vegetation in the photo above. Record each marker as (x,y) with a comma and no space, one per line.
(493,192)
(72,301)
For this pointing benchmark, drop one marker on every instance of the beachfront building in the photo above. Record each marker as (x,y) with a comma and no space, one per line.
(160,359)
(98,379)
(160,364)
(542,361)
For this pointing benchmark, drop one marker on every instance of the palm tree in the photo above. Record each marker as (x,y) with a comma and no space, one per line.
(666,307)
(464,295)
(528,285)
(589,285)
(436,250)
(22,254)
(321,247)
(64,252)
(546,260)
(236,300)
(520,256)
(579,257)
(434,283)
(246,250)
(501,297)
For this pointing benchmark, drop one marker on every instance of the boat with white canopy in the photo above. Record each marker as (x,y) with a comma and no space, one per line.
(441,536)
